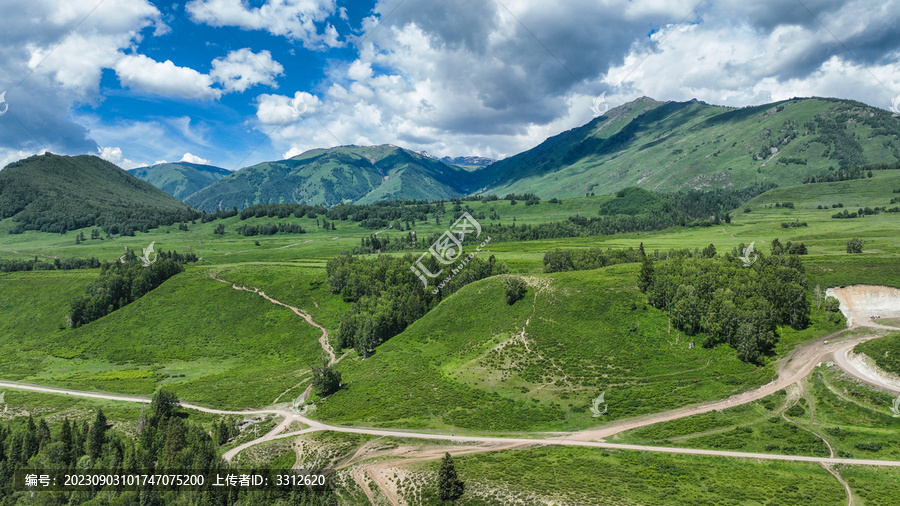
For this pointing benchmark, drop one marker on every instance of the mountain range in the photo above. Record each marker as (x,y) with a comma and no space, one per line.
(180,179)
(661,146)
(668,146)
(346,174)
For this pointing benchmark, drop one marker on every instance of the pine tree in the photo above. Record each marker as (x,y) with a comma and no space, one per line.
(326,380)
(96,435)
(450,487)
(65,437)
(176,435)
(645,278)
(163,405)
(43,434)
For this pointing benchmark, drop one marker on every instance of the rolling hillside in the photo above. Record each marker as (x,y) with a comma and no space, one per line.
(54,193)
(180,179)
(346,174)
(670,146)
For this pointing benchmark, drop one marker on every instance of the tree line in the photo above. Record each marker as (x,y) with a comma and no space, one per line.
(57,264)
(269,229)
(121,283)
(580,259)
(387,295)
(166,441)
(728,302)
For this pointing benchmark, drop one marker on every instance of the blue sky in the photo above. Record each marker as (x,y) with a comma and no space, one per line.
(222,81)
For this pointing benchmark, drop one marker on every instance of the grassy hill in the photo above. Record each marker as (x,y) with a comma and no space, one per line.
(671,146)
(180,179)
(346,174)
(53,193)
(538,363)
(208,342)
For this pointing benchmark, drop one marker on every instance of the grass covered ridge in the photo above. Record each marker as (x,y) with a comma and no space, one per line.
(468,364)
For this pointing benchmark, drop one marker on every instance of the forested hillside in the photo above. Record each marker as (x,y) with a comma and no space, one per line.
(53,193)
(345,174)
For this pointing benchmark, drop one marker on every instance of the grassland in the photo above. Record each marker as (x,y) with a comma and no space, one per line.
(207,342)
(196,331)
(481,372)
(885,352)
(466,365)
(586,476)
(855,421)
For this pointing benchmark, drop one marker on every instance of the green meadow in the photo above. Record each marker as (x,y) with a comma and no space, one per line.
(476,364)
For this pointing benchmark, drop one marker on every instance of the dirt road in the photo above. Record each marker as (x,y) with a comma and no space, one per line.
(315,426)
(795,366)
(323,340)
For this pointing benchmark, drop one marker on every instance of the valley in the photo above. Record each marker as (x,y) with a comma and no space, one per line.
(240,331)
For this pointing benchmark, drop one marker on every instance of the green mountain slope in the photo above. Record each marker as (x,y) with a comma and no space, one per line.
(477,362)
(681,145)
(348,174)
(180,179)
(53,193)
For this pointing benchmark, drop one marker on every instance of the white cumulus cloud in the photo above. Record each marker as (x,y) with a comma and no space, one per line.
(164,78)
(242,69)
(114,155)
(189,158)
(295,19)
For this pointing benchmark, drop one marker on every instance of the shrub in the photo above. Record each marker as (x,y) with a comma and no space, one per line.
(795,410)
(326,380)
(515,290)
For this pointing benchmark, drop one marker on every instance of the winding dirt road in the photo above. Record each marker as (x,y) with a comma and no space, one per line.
(323,340)
(315,426)
(792,368)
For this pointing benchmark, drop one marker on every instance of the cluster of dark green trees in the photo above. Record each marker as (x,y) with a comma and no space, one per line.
(728,302)
(638,210)
(580,226)
(326,379)
(375,244)
(270,229)
(788,248)
(516,288)
(864,211)
(166,440)
(388,296)
(561,260)
(58,264)
(843,174)
(121,283)
(113,221)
